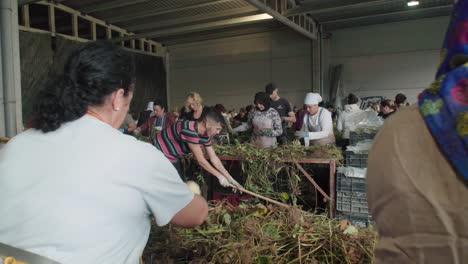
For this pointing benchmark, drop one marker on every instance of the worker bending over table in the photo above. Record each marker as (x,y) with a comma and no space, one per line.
(186,137)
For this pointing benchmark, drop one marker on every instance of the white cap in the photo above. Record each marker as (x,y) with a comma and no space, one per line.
(312,99)
(150,106)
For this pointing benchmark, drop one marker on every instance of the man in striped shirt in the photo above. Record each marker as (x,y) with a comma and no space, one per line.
(186,136)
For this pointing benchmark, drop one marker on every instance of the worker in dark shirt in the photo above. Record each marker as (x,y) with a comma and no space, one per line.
(282,106)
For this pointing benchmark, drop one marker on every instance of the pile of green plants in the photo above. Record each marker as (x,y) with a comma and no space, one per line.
(293,151)
(262,234)
(272,172)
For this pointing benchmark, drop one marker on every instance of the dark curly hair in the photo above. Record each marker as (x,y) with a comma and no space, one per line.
(92,72)
(270,88)
(400,99)
(220,108)
(352,99)
(214,115)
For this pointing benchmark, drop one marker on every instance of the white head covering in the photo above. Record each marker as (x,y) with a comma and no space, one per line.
(150,106)
(312,99)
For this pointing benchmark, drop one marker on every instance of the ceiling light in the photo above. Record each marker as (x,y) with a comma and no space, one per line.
(413,3)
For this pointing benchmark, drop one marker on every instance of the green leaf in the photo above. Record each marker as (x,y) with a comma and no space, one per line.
(227,218)
(350,230)
(263,260)
(272,232)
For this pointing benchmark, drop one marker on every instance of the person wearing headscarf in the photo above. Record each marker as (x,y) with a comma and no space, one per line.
(265,123)
(418,166)
(317,127)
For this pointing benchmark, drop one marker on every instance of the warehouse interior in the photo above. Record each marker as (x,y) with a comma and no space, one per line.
(375,41)
(227,51)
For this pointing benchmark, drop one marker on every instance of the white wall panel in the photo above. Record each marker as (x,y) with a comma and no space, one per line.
(389,58)
(231,70)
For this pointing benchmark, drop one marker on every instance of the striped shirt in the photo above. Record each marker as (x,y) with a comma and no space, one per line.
(173,141)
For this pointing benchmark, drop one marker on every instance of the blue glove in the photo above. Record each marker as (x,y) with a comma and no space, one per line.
(301,134)
(267,132)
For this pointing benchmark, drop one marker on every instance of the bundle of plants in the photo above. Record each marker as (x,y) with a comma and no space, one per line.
(262,234)
(272,172)
(293,151)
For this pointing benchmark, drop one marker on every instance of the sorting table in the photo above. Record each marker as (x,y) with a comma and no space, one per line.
(332,170)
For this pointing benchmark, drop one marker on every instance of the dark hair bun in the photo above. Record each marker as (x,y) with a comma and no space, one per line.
(92,72)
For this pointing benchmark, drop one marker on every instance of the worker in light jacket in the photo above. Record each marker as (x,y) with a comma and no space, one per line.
(317,128)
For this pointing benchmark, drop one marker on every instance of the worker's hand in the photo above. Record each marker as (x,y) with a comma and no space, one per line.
(223,181)
(234,183)
(301,134)
(137,131)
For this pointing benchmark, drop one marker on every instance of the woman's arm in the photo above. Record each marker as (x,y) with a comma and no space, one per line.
(244,126)
(193,214)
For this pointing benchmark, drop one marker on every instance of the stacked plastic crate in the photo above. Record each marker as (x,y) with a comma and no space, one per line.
(351,197)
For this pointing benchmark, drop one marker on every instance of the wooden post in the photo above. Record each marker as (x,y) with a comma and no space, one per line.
(123,42)
(283,6)
(52,19)
(26,19)
(108,33)
(332,188)
(75,25)
(93,31)
(325,195)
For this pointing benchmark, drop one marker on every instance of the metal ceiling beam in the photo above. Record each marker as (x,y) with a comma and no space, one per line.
(312,9)
(191,19)
(151,13)
(199,27)
(442,8)
(214,35)
(304,25)
(27,2)
(110,5)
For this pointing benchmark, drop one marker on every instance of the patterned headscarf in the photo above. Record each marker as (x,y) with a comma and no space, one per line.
(444,105)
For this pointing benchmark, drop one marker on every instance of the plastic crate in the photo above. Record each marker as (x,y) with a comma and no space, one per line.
(350,184)
(231,198)
(352,202)
(356,160)
(361,220)
(355,137)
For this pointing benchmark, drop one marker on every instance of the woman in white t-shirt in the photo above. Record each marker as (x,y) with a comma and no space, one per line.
(76,190)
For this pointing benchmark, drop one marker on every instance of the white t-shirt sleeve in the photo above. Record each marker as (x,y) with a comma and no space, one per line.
(163,191)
